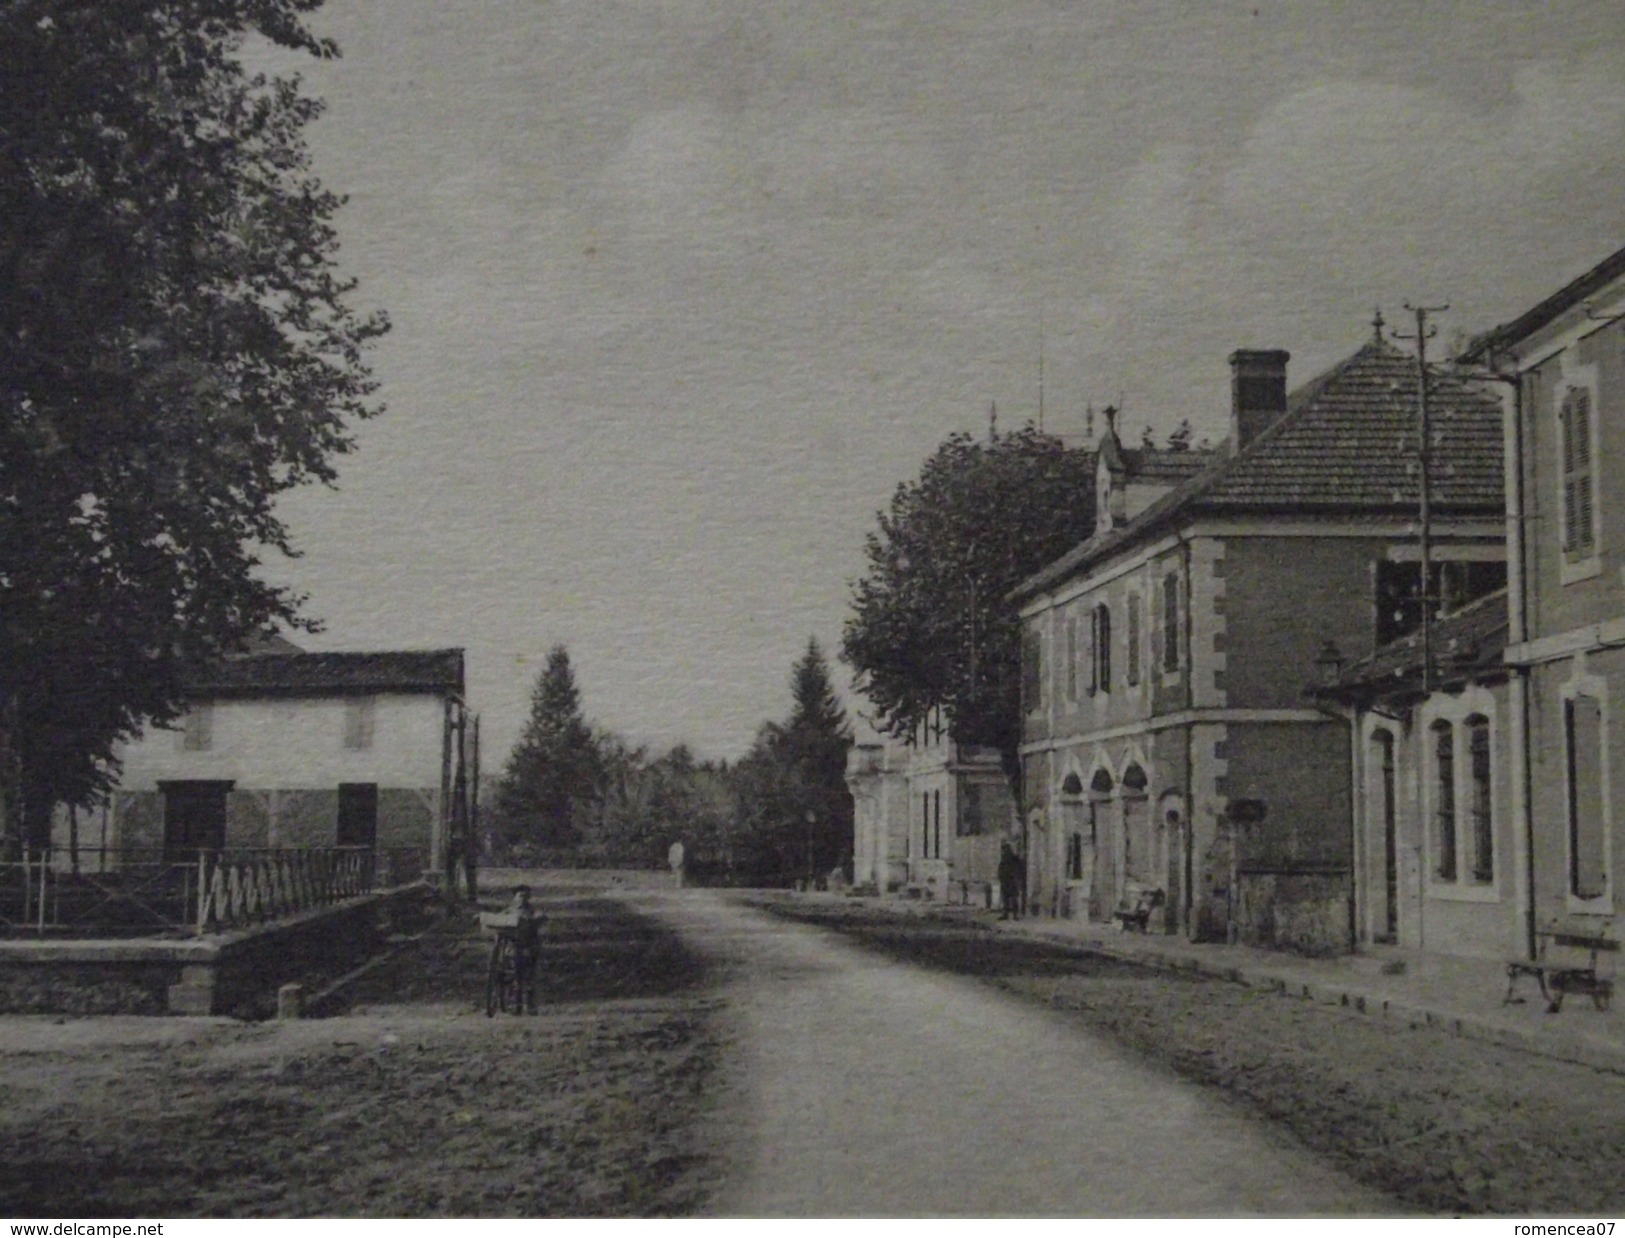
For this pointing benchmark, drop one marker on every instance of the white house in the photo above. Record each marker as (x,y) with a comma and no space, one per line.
(292,749)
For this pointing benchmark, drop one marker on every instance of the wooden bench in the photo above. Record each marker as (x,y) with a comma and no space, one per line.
(1558,969)
(1136,914)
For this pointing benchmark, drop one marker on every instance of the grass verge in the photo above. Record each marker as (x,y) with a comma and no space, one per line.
(409,1103)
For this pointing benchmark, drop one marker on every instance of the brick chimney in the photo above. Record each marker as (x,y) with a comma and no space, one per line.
(1257,393)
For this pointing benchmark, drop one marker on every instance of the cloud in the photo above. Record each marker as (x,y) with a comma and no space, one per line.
(1338,196)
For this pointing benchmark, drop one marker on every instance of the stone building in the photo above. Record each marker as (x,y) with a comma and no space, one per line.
(929,815)
(1560,370)
(1170,739)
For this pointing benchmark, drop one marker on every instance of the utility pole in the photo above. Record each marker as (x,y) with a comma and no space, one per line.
(1040,369)
(1424,332)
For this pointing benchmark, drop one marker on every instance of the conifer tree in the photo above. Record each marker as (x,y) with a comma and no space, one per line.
(553,768)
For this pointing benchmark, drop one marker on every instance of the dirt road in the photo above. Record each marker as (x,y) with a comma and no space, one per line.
(865,1087)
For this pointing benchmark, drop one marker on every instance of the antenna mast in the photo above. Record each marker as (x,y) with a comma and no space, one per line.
(1040,369)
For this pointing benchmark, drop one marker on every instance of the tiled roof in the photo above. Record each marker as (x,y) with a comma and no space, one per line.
(1165,463)
(313,674)
(1345,446)
(1565,298)
(1466,645)
(273,642)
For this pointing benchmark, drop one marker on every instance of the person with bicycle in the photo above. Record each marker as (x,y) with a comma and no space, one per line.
(527,933)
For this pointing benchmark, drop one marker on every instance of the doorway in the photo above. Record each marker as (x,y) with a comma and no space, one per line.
(194,818)
(358,814)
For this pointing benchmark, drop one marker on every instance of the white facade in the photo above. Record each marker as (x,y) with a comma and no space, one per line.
(301,750)
(297,744)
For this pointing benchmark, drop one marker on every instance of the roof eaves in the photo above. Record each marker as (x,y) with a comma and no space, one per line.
(1538,316)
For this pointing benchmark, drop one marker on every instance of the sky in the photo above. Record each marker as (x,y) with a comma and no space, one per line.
(682,289)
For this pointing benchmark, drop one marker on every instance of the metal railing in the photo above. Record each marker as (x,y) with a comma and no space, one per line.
(125,891)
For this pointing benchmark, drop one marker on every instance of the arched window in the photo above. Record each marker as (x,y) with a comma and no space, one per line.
(1134,780)
(1480,801)
(1072,787)
(1444,801)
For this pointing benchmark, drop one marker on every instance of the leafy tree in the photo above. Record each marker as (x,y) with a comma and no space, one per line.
(931,623)
(177,349)
(554,768)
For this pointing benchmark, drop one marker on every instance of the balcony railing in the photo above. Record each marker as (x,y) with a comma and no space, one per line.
(125,892)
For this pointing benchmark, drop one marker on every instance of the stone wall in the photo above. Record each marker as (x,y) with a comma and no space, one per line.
(1307,913)
(231,973)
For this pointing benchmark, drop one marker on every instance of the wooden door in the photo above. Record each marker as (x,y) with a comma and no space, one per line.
(194,818)
(358,814)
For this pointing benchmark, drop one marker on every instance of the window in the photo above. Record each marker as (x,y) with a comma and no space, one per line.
(1454,583)
(358,722)
(1444,802)
(1170,622)
(1031,678)
(970,809)
(925,825)
(936,823)
(1074,857)
(197,732)
(1579,518)
(1386,804)
(1131,673)
(1479,803)
(358,814)
(1072,659)
(1092,683)
(1101,632)
(1588,833)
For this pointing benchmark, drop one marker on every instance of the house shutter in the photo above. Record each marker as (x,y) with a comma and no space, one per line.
(1132,668)
(1154,613)
(1103,646)
(1170,621)
(1093,682)
(1579,521)
(1588,832)
(1072,659)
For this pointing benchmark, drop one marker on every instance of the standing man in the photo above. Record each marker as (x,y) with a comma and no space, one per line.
(1009,882)
(674,857)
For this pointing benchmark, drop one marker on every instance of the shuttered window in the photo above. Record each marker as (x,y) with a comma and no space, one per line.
(1588,830)
(1092,683)
(1131,673)
(1170,622)
(197,733)
(1444,802)
(1072,659)
(1103,647)
(359,714)
(1579,515)
(1480,805)
(1031,676)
